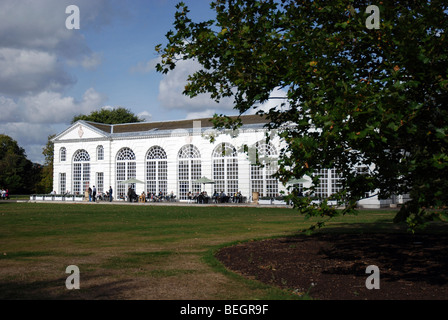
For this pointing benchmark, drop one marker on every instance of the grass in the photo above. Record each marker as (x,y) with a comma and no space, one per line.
(141,252)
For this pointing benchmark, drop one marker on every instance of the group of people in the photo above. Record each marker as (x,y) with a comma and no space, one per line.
(93,196)
(222,197)
(199,197)
(149,197)
(4,194)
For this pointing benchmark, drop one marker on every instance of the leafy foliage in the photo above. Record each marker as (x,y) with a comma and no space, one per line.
(107,116)
(356,97)
(17,173)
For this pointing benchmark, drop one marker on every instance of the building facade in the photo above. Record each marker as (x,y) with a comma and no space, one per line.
(170,157)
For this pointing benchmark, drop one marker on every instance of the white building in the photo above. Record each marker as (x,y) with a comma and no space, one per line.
(169,156)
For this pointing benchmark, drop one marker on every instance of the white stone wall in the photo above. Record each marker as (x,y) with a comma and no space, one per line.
(82,137)
(140,145)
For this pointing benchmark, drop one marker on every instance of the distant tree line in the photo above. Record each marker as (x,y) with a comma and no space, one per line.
(17,174)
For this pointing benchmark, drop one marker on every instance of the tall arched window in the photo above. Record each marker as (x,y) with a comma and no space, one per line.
(126,169)
(62,154)
(189,169)
(99,153)
(156,170)
(262,170)
(225,168)
(81,171)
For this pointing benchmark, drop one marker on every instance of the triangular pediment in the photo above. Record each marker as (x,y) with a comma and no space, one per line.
(80,130)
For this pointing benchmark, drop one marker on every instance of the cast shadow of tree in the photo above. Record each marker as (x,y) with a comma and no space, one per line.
(399,256)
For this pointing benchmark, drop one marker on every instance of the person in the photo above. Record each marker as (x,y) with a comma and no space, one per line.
(205,197)
(200,198)
(110,194)
(223,197)
(215,197)
(94,194)
(238,197)
(90,194)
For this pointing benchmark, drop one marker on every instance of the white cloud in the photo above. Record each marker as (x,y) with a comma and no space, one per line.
(145,67)
(30,71)
(32,137)
(200,114)
(53,107)
(33,118)
(36,51)
(173,84)
(8,110)
(145,115)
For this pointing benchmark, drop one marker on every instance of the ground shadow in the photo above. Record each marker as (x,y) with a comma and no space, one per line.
(331,264)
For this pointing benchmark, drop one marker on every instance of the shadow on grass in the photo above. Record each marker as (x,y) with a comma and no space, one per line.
(420,258)
(55,289)
(400,255)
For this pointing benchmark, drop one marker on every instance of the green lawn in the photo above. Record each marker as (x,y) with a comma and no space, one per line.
(141,251)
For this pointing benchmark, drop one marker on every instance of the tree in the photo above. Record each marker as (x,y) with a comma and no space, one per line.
(45,184)
(16,171)
(356,96)
(110,116)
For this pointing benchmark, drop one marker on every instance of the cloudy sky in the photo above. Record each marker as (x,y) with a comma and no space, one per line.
(49,73)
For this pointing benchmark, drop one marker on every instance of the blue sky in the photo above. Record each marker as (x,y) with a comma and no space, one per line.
(50,73)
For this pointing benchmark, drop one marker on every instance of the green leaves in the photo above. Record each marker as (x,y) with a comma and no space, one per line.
(114,116)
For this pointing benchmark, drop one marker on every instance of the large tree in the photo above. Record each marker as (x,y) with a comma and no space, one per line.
(46,182)
(17,173)
(357,95)
(110,116)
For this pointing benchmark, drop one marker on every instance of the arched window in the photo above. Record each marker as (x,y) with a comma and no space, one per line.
(225,168)
(126,169)
(156,171)
(62,154)
(262,169)
(189,169)
(99,153)
(81,171)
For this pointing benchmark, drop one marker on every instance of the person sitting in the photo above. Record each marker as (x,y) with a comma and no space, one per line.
(143,197)
(132,196)
(223,197)
(200,198)
(195,197)
(206,197)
